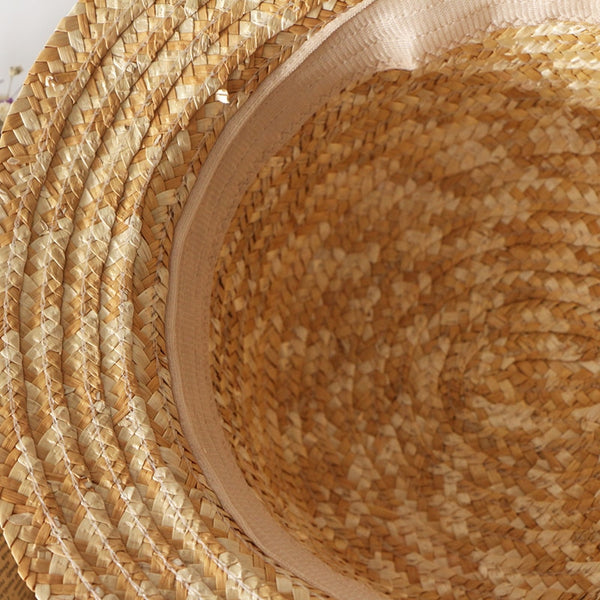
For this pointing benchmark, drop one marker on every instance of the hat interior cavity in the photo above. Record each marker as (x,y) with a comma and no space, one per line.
(389,257)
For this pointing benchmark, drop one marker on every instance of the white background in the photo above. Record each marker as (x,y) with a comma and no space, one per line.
(25,26)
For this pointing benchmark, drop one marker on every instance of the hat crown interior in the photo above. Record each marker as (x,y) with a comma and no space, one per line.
(380,340)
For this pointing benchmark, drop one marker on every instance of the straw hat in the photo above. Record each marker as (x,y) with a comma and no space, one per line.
(300,300)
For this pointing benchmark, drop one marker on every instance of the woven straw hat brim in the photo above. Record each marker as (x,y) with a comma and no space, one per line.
(370,235)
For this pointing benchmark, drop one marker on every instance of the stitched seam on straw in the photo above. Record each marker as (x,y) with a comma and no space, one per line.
(123,287)
(207,40)
(48,380)
(41,147)
(27,461)
(116,480)
(84,503)
(108,183)
(46,140)
(92,121)
(115,158)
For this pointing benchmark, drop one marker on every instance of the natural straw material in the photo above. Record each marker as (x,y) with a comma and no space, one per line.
(403,337)
(12,587)
(392,302)
(402,324)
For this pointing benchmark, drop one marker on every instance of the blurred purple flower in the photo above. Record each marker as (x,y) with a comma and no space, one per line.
(6,100)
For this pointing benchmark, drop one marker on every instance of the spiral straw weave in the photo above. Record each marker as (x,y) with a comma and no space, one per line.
(401,322)
(414,325)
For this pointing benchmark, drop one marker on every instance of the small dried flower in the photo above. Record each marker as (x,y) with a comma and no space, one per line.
(6,99)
